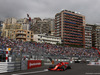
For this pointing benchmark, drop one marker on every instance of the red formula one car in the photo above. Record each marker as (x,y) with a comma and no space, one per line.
(62,66)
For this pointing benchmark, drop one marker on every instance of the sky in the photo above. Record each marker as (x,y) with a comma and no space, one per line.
(48,8)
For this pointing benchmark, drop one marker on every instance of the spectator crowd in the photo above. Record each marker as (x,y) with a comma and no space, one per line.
(45,49)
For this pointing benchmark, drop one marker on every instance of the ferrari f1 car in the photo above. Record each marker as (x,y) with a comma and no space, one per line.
(62,66)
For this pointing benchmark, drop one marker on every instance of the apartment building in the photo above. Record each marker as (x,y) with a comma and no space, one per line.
(70,27)
(8,29)
(16,31)
(88,36)
(1,22)
(51,24)
(39,26)
(24,35)
(10,21)
(96,36)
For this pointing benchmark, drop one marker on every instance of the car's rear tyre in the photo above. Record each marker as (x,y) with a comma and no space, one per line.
(51,66)
(69,67)
(63,68)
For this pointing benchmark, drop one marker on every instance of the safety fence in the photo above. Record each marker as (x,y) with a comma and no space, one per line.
(16,66)
(22,61)
(94,63)
(9,66)
(29,64)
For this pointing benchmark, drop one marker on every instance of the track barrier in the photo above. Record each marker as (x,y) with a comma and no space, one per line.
(9,66)
(16,63)
(24,65)
(34,64)
(16,66)
(94,63)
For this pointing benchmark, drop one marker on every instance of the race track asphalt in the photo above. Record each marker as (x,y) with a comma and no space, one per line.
(77,69)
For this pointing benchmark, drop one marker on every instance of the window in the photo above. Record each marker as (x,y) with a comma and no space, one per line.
(28,32)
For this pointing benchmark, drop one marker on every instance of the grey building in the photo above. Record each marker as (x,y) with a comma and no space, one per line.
(52,25)
(92,36)
(1,27)
(40,26)
(88,36)
(96,36)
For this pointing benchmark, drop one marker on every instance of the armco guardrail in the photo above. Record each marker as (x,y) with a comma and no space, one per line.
(24,65)
(9,66)
(15,66)
(94,63)
(6,67)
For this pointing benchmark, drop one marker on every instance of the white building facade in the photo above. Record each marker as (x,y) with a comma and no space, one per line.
(47,39)
(10,21)
(88,36)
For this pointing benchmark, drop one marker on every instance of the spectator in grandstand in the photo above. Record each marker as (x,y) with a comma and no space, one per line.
(45,49)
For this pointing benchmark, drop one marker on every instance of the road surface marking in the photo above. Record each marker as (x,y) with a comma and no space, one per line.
(93,73)
(31,72)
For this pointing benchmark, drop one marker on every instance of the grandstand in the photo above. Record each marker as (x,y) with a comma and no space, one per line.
(29,49)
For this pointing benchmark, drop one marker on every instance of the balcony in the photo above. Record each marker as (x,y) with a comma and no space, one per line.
(20,33)
(68,26)
(72,35)
(73,24)
(71,43)
(20,36)
(72,30)
(69,40)
(73,38)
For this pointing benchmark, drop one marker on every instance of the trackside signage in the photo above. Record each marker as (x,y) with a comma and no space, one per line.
(34,63)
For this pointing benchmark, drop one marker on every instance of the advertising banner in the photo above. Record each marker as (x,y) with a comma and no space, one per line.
(34,63)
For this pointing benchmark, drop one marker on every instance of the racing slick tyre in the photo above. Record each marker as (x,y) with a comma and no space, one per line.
(63,67)
(51,66)
(69,67)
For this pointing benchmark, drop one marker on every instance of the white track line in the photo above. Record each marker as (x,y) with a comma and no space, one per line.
(31,72)
(93,73)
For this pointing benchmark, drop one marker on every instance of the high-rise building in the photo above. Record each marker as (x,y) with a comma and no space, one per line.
(88,36)
(17,31)
(34,23)
(1,22)
(10,21)
(96,36)
(8,29)
(39,26)
(25,26)
(22,21)
(70,27)
(51,24)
